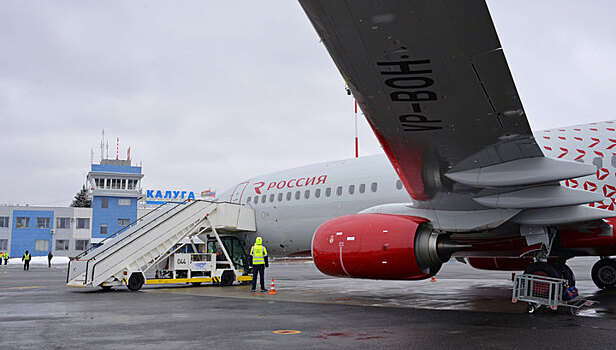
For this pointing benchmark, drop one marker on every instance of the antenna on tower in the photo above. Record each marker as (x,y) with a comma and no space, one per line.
(118,148)
(107,146)
(103,146)
(91,155)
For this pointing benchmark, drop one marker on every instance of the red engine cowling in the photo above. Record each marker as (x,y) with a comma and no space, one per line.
(500,263)
(376,246)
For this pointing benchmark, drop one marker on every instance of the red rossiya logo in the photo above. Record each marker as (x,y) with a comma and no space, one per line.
(258,186)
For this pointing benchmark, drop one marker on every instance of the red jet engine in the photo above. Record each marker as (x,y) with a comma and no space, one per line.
(380,246)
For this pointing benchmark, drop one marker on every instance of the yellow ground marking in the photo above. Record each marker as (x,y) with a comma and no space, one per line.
(287,331)
(28,287)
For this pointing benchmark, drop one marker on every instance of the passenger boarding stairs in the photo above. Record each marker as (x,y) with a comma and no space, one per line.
(151,238)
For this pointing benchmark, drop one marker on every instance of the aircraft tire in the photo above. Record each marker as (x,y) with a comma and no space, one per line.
(566,272)
(542,289)
(604,274)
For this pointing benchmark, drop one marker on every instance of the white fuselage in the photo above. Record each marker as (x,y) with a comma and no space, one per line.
(290,204)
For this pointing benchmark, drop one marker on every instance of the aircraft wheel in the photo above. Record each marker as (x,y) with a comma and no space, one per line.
(227,278)
(542,289)
(566,272)
(604,274)
(136,281)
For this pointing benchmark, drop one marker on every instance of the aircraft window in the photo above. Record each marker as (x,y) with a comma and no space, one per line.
(298,194)
(248,200)
(280,197)
(362,188)
(339,190)
(614,161)
(272,196)
(399,184)
(256,199)
(317,192)
(263,198)
(598,162)
(307,194)
(328,192)
(288,196)
(373,187)
(351,189)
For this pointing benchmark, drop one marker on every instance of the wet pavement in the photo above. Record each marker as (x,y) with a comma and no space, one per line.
(464,308)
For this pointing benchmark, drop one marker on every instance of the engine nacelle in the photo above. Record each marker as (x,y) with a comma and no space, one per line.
(379,246)
(500,263)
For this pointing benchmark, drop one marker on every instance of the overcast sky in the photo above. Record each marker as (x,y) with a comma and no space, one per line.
(208,93)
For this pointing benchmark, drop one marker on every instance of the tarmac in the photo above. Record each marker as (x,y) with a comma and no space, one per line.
(463,309)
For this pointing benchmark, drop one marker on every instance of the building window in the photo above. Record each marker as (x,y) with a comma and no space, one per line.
(339,191)
(123,222)
(4,221)
(373,187)
(103,230)
(272,196)
(307,194)
(105,203)
(124,201)
(42,222)
(280,197)
(83,223)
(4,244)
(399,184)
(82,244)
(22,222)
(298,194)
(61,244)
(317,192)
(63,223)
(328,192)
(123,186)
(41,245)
(362,188)
(351,189)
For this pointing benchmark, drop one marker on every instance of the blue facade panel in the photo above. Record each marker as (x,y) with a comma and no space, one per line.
(24,238)
(112,214)
(116,169)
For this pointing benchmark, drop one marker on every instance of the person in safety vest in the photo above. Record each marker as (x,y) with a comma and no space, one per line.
(6,258)
(258,257)
(26,259)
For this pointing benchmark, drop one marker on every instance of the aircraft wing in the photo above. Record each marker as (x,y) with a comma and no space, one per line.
(432,80)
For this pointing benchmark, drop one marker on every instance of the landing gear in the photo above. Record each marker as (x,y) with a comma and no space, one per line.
(546,269)
(604,274)
(566,272)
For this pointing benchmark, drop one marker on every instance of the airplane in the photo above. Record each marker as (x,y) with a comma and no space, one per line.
(462,176)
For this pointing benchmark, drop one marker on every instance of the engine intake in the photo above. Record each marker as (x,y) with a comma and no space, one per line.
(380,246)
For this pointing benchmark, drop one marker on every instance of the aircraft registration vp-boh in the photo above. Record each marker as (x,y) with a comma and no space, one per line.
(469,178)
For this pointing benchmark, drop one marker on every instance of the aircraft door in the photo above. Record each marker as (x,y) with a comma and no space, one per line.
(236,196)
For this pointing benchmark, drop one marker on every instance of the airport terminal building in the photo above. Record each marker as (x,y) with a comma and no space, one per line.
(114,188)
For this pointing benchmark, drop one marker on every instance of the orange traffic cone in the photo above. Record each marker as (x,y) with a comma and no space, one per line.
(272,290)
(433,279)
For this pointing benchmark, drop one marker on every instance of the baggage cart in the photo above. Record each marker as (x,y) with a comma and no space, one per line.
(545,292)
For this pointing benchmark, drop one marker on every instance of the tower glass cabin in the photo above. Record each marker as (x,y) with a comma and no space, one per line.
(114,188)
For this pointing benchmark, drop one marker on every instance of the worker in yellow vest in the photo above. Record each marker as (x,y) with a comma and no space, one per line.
(6,258)
(26,259)
(259,261)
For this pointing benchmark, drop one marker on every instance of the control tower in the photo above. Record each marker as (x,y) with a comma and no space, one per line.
(114,188)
